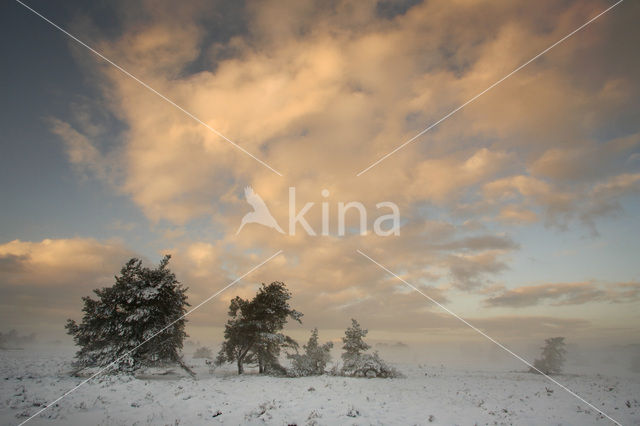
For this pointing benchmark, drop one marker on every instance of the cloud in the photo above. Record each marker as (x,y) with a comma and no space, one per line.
(468,271)
(330,89)
(43,281)
(587,161)
(330,276)
(82,154)
(60,261)
(567,294)
(559,205)
(516,326)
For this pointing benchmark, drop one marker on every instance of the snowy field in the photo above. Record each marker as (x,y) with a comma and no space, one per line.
(428,395)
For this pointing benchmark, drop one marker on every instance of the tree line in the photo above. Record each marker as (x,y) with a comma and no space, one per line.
(139,321)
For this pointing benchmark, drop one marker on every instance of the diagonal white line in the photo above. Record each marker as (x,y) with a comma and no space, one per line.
(107,367)
(127,73)
(488,88)
(491,339)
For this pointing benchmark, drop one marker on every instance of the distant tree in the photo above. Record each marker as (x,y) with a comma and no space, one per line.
(253,333)
(140,304)
(358,363)
(552,357)
(635,363)
(203,352)
(314,359)
(12,340)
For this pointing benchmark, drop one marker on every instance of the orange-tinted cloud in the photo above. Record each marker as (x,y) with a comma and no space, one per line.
(329,89)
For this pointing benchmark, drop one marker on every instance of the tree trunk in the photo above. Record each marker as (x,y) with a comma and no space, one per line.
(241,356)
(260,366)
(186,368)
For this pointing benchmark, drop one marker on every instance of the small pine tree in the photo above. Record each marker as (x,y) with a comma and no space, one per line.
(358,363)
(314,359)
(552,357)
(354,344)
(140,304)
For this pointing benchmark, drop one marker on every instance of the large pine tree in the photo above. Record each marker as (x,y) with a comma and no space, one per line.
(138,306)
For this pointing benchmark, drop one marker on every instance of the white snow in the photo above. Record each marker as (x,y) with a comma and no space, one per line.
(428,395)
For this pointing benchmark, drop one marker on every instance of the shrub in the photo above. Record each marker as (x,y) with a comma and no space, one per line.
(203,352)
(369,365)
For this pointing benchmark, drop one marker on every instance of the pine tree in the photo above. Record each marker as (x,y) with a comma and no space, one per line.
(354,345)
(552,358)
(314,359)
(253,333)
(358,363)
(138,306)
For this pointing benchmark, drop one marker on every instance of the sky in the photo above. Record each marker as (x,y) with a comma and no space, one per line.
(520,212)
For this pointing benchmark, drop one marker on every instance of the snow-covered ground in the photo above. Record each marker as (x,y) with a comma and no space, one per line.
(428,395)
